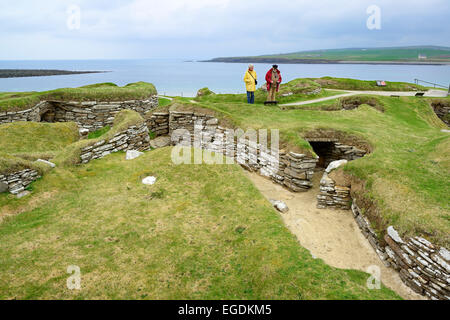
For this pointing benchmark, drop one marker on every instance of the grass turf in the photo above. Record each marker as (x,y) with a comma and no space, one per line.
(184,238)
(407,174)
(37,140)
(201,232)
(16,101)
(353,84)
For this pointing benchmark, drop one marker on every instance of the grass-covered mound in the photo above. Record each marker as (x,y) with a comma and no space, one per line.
(405,175)
(15,101)
(11,164)
(201,232)
(204,92)
(70,155)
(353,84)
(28,138)
(292,91)
(23,142)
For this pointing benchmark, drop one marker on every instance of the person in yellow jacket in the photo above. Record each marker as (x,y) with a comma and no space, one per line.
(250,83)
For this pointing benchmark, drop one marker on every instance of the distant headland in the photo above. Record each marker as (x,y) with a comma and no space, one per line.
(18,73)
(417,55)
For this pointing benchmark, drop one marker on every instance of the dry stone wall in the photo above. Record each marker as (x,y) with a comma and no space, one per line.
(333,196)
(158,123)
(18,181)
(422,266)
(292,170)
(134,138)
(90,115)
(442,110)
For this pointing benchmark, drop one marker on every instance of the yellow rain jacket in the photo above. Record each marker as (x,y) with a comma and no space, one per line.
(249,81)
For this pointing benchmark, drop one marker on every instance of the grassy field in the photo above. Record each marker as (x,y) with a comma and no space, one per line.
(373,54)
(201,232)
(399,54)
(353,84)
(408,173)
(299,90)
(37,136)
(204,231)
(261,96)
(14,101)
(23,142)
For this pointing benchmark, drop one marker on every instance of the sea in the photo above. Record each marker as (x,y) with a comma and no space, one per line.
(177,77)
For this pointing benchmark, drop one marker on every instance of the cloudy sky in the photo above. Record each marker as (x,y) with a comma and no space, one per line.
(199,29)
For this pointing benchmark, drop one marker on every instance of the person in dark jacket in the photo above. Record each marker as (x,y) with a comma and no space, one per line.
(273,80)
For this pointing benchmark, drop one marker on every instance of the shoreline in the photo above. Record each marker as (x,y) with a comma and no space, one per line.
(306,61)
(25,73)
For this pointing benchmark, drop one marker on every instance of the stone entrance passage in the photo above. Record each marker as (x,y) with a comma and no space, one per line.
(324,149)
(330,150)
(48,116)
(333,195)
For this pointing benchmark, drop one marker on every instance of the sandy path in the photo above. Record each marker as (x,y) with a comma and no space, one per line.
(331,235)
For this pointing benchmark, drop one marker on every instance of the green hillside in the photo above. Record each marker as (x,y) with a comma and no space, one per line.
(429,54)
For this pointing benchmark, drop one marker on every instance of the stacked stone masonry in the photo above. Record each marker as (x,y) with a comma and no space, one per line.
(292,170)
(158,123)
(422,266)
(442,110)
(20,180)
(333,196)
(90,115)
(134,138)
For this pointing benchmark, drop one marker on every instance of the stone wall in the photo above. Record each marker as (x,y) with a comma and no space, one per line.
(442,110)
(17,182)
(422,266)
(134,138)
(292,170)
(158,123)
(333,196)
(90,115)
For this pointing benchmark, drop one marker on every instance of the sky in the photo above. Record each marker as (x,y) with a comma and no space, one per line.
(203,29)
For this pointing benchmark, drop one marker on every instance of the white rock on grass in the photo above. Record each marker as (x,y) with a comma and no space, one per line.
(149,181)
(22,194)
(133,154)
(394,234)
(51,164)
(335,164)
(280,206)
(83,132)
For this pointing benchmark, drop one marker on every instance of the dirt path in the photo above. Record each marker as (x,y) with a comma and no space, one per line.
(331,235)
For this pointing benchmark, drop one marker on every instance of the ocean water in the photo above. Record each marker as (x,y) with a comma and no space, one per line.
(177,77)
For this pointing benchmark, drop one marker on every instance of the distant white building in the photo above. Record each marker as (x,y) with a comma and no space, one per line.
(422,56)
